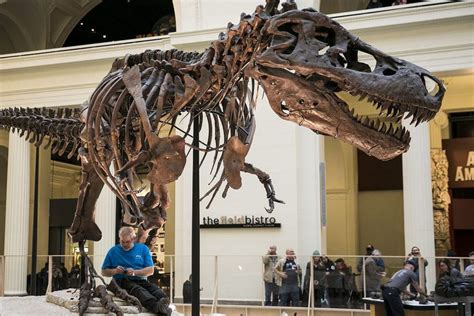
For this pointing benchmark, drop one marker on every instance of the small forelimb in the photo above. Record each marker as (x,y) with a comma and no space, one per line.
(264,178)
(122,294)
(106,300)
(141,158)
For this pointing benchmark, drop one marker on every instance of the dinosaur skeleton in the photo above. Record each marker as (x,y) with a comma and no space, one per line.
(301,59)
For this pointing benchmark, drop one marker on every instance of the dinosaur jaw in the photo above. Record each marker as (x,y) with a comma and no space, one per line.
(310,104)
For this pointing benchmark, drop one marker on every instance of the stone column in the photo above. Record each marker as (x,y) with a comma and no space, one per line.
(105,213)
(417,198)
(17,215)
(311,192)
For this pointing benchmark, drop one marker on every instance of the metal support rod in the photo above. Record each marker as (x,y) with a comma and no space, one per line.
(34,243)
(195,242)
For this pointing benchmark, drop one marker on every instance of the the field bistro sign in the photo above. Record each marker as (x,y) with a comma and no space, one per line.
(239,221)
(460,154)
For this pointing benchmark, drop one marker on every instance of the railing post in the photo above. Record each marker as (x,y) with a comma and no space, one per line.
(216,282)
(50,274)
(2,275)
(363,277)
(171,278)
(263,278)
(311,287)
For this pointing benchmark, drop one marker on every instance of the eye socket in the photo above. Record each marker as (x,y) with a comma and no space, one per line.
(389,72)
(325,35)
(289,28)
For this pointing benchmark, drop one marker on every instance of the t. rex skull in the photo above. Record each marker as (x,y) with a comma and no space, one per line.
(311,57)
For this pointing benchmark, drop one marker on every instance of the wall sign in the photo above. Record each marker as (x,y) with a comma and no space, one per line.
(460,154)
(243,221)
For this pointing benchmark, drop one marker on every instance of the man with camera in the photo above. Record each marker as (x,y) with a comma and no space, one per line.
(269,276)
(416,257)
(130,264)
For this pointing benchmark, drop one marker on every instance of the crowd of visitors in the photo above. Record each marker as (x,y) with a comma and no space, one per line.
(330,283)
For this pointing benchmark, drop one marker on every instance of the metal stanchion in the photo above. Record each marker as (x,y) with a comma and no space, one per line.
(195,242)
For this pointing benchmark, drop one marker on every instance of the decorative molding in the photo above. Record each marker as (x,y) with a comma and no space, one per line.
(441,201)
(80,54)
(403,16)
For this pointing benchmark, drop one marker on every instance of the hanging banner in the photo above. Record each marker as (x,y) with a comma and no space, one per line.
(460,154)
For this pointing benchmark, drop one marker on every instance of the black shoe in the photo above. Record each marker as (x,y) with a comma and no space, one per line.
(163,306)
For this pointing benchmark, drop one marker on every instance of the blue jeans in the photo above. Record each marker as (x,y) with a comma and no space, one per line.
(271,294)
(292,293)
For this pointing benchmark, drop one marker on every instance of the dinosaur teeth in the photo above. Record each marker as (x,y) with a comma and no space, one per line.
(406,136)
(362,96)
(390,128)
(383,129)
(389,111)
(418,121)
(377,124)
(365,120)
(415,114)
(399,133)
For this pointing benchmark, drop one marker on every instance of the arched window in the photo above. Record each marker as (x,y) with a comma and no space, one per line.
(114,20)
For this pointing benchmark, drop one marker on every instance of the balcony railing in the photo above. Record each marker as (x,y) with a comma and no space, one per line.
(238,280)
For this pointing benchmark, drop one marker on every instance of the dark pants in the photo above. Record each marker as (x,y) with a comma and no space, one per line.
(392,301)
(271,294)
(319,296)
(147,293)
(338,297)
(292,293)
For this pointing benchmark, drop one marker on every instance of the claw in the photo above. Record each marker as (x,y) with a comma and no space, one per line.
(271,200)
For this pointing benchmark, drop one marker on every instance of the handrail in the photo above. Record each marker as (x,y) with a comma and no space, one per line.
(214,293)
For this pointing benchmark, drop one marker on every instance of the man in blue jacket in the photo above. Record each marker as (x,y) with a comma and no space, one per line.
(130,264)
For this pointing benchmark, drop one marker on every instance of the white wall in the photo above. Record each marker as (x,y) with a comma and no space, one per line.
(275,151)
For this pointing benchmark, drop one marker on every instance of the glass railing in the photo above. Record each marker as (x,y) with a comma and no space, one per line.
(334,282)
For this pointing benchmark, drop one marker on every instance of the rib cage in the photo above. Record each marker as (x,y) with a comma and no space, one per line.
(171,88)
